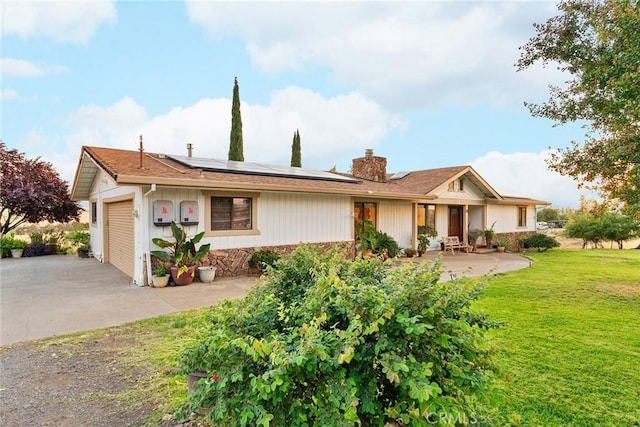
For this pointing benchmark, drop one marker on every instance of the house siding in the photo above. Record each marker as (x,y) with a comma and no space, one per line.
(396,219)
(506,218)
(282,219)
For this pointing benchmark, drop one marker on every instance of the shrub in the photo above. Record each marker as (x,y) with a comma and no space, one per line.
(326,341)
(387,244)
(79,238)
(540,241)
(263,258)
(36,249)
(377,241)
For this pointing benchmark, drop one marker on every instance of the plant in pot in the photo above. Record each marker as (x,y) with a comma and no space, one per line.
(13,245)
(161,276)
(182,253)
(424,238)
(503,244)
(472,237)
(488,234)
(410,252)
(368,238)
(81,240)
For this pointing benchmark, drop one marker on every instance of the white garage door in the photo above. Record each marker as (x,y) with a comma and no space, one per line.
(120,235)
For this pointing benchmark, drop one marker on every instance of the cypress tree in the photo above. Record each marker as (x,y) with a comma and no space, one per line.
(235,143)
(296,156)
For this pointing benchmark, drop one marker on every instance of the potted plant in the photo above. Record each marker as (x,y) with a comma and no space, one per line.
(182,253)
(161,276)
(410,252)
(17,247)
(424,238)
(81,239)
(472,237)
(503,244)
(488,235)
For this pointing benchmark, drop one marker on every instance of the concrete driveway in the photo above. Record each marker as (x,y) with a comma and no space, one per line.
(56,294)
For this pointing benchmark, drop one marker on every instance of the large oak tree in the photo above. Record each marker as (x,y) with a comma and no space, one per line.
(597,42)
(32,191)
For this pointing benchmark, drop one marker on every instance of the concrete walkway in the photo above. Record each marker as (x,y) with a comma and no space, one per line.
(54,295)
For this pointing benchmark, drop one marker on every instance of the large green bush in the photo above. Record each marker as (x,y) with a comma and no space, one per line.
(329,342)
(540,241)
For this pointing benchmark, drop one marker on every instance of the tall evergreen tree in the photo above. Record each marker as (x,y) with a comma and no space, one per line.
(235,144)
(296,155)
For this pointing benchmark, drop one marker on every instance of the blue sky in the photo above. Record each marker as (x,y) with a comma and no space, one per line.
(425,84)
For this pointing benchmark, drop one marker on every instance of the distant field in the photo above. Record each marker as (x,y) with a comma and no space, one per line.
(568,243)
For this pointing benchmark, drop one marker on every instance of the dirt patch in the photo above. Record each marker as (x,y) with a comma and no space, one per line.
(80,383)
(627,291)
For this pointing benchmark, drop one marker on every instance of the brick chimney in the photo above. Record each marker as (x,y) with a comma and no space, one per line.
(370,167)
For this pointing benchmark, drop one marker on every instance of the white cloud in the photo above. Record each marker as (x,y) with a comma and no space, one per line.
(403,54)
(9,94)
(329,128)
(64,21)
(13,67)
(526,174)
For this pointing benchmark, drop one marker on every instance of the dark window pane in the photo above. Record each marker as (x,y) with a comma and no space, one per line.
(231,213)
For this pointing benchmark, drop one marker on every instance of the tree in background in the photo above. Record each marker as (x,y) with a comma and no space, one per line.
(598,43)
(548,215)
(296,155)
(595,223)
(236,150)
(32,191)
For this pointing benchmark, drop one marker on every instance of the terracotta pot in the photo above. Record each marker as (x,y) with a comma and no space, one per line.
(185,278)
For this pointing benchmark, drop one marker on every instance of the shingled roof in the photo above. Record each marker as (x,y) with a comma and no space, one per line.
(128,167)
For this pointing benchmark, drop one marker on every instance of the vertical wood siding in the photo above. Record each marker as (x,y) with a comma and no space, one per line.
(396,219)
(282,219)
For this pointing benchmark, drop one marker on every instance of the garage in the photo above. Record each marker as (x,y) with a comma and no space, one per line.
(119,236)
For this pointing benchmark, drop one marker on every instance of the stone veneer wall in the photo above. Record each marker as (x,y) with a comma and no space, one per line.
(513,238)
(235,262)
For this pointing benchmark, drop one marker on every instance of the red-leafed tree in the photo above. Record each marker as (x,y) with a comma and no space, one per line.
(32,191)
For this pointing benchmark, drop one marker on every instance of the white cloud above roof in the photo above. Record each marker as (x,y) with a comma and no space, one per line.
(63,21)
(526,174)
(435,51)
(330,127)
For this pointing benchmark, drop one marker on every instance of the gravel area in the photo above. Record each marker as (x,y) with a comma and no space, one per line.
(82,383)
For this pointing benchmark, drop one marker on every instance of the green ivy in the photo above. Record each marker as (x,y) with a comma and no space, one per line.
(326,341)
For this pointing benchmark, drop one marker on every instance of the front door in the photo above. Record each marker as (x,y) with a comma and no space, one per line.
(455,222)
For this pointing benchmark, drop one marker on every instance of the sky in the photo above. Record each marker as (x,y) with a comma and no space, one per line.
(425,84)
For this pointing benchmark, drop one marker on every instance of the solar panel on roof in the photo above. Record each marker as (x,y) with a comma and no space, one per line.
(399,175)
(249,168)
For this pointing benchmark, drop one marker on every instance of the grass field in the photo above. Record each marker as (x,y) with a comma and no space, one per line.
(570,350)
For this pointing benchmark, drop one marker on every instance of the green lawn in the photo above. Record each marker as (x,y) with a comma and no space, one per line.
(570,350)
